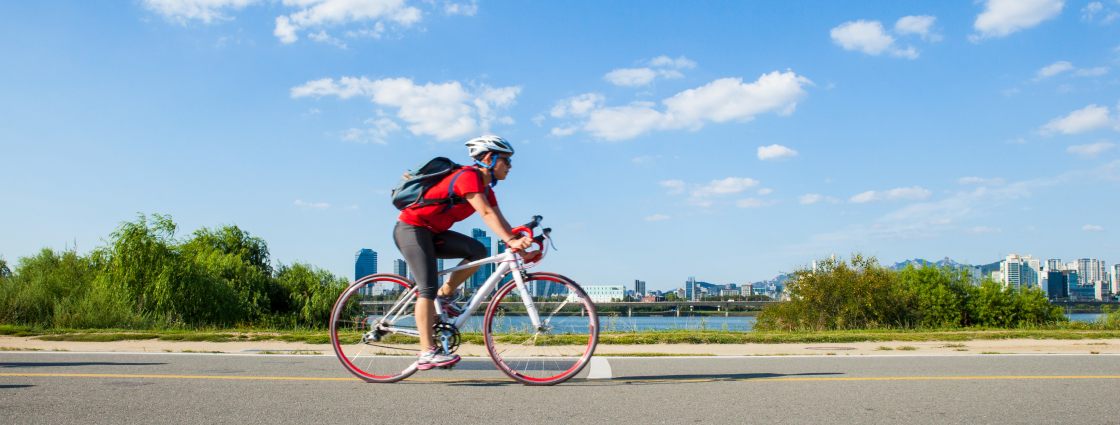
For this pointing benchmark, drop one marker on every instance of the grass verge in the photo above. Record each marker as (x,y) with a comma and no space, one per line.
(955,337)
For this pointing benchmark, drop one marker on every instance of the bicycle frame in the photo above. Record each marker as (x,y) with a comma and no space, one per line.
(506,262)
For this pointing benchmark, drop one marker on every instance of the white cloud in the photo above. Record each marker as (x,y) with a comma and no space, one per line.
(1053,69)
(765,191)
(643,159)
(630,76)
(461,8)
(1091,9)
(657,217)
(563,131)
(982,230)
(1092,228)
(675,186)
(866,36)
(723,187)
(754,203)
(1091,72)
(376,32)
(203,10)
(997,181)
(381,129)
(869,36)
(916,192)
(919,25)
(323,37)
(316,205)
(538,119)
(445,111)
(318,13)
(909,53)
(1089,118)
(350,208)
(1003,17)
(679,63)
(1088,13)
(1090,150)
(577,105)
(719,101)
(810,198)
(775,152)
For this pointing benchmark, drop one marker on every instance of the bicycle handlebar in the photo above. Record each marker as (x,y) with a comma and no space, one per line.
(544,233)
(533,224)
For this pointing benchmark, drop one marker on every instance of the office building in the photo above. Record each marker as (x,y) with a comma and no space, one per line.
(640,287)
(365,263)
(501,250)
(1057,284)
(1019,272)
(602,294)
(484,272)
(400,268)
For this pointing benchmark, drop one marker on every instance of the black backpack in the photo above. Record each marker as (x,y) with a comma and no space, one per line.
(412,186)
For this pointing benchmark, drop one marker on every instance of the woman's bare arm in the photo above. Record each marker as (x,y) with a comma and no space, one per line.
(492,216)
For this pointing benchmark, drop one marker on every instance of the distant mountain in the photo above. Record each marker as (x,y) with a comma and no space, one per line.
(918,262)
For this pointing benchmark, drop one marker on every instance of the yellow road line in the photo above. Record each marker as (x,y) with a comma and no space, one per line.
(636,379)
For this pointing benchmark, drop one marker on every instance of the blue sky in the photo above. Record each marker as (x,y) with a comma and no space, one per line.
(721,140)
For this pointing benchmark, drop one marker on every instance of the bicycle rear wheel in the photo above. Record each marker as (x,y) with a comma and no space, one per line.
(373,328)
(556,351)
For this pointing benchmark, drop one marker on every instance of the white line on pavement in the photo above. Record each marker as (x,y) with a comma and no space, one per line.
(600,368)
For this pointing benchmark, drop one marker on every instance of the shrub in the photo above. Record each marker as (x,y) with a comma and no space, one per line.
(146,278)
(860,294)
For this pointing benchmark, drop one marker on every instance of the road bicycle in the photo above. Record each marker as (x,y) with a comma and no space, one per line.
(373,327)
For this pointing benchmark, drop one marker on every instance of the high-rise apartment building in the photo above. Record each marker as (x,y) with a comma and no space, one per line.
(1115,275)
(639,287)
(690,291)
(1018,271)
(365,263)
(1055,265)
(484,272)
(1095,273)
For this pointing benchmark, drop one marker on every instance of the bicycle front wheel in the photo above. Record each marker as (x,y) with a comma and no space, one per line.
(373,328)
(553,352)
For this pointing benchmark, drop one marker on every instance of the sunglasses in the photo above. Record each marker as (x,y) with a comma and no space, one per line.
(509,161)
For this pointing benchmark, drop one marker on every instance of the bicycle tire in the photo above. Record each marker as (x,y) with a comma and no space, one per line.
(390,360)
(558,356)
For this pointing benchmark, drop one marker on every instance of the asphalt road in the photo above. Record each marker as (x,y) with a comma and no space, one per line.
(71,388)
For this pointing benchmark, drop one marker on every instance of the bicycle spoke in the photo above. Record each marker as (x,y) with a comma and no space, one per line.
(548,355)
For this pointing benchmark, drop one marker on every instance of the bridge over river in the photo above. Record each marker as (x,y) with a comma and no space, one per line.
(670,307)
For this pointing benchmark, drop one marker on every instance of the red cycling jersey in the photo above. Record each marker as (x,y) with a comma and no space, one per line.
(430,216)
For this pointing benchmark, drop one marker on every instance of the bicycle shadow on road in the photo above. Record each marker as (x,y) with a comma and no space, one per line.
(61,364)
(710,377)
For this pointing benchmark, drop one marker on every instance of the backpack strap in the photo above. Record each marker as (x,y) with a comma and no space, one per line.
(451,200)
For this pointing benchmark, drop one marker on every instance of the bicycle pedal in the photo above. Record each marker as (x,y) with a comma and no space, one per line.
(448,367)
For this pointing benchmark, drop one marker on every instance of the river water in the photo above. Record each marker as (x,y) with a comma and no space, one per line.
(630,324)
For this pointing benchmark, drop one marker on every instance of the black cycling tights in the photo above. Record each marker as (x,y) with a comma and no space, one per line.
(421,247)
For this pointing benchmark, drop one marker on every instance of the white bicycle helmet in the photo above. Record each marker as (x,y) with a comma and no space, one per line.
(479,146)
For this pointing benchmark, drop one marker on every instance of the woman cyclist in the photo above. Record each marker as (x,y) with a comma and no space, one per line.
(422,235)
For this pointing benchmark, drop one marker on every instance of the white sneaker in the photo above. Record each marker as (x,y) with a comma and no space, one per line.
(435,357)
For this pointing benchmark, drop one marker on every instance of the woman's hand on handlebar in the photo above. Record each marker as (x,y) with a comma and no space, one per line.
(521,243)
